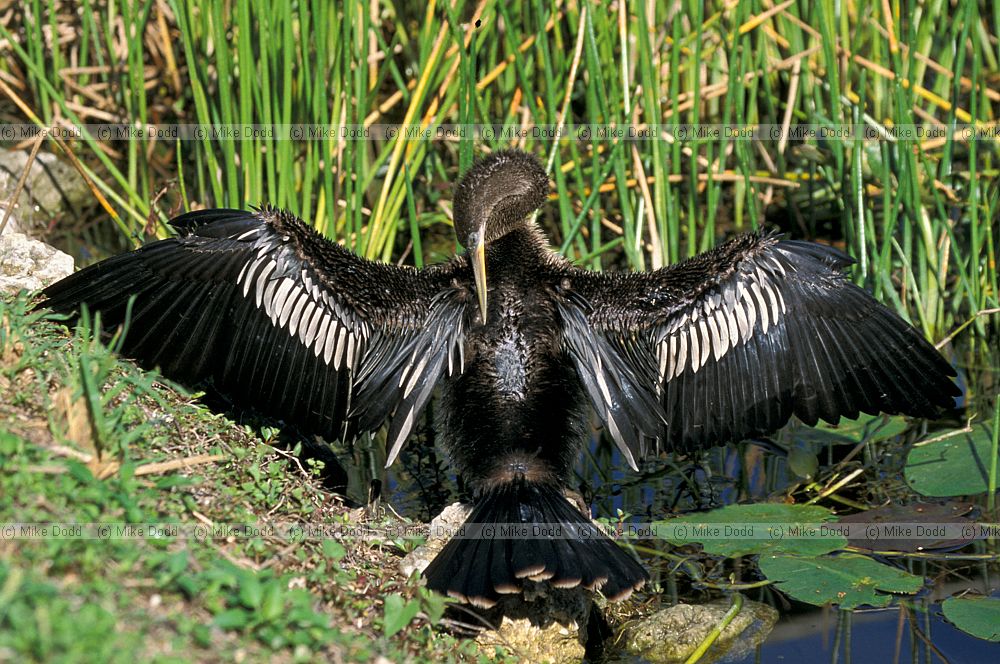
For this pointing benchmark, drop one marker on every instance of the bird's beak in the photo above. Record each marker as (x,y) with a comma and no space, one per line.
(479,270)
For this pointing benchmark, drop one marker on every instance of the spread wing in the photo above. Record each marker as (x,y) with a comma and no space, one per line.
(282,319)
(735,341)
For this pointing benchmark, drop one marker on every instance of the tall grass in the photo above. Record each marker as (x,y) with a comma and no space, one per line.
(919,214)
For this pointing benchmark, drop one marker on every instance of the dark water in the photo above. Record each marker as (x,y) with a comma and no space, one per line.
(883,636)
(421,484)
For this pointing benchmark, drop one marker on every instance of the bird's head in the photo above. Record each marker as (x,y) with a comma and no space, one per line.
(495,196)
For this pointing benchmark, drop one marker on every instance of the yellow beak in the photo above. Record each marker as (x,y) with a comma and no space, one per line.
(479,271)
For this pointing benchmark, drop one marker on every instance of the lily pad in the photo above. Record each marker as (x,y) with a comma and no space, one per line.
(979,616)
(870,428)
(740,530)
(954,464)
(803,461)
(847,580)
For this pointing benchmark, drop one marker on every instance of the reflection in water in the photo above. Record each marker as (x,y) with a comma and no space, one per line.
(894,634)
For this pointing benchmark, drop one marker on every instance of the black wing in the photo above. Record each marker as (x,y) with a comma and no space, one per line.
(735,341)
(282,319)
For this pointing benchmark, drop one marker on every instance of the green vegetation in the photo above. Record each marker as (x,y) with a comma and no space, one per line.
(979,616)
(758,516)
(957,463)
(87,437)
(833,568)
(847,580)
(919,213)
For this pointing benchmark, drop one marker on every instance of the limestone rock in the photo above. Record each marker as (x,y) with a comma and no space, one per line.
(444,523)
(533,641)
(30,264)
(673,634)
(53,187)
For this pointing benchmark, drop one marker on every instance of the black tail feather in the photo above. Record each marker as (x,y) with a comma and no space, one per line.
(486,560)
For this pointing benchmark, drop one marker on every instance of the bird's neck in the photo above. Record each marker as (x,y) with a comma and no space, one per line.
(526,237)
(521,246)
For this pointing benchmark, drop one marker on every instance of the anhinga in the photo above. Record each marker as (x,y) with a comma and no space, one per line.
(521,345)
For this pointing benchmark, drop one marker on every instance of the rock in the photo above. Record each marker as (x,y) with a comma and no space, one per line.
(444,523)
(53,187)
(12,225)
(544,624)
(30,264)
(673,634)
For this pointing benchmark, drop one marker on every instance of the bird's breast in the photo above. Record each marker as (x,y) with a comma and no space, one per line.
(510,365)
(518,393)
(513,350)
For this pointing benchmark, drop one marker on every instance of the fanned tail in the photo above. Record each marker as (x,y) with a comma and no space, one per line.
(522,530)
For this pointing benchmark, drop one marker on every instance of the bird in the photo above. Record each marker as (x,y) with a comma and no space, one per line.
(521,347)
